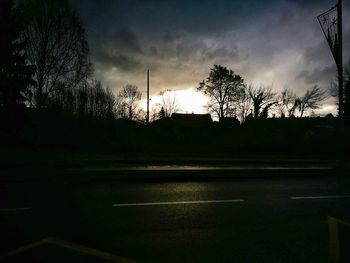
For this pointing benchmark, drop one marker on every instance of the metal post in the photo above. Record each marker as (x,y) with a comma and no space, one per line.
(147,117)
(332,28)
(340,62)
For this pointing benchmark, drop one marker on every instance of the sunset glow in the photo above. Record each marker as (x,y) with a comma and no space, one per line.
(188,101)
(191,101)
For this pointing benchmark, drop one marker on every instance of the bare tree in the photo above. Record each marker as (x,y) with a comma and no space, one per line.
(57,46)
(155,113)
(312,100)
(169,102)
(140,115)
(89,100)
(244,104)
(287,103)
(263,99)
(101,101)
(222,87)
(128,100)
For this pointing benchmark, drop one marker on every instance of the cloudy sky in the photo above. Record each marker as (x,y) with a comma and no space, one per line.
(270,42)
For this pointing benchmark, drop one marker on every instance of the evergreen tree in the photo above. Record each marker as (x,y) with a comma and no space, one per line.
(15,74)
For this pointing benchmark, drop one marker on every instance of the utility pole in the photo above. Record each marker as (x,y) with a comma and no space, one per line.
(147,117)
(340,62)
(331,23)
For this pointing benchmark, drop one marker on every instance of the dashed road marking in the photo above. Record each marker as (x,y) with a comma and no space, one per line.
(319,197)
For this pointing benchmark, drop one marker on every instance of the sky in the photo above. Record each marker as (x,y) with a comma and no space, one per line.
(276,43)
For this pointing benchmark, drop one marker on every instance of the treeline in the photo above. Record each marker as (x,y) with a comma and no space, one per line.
(230,96)
(89,100)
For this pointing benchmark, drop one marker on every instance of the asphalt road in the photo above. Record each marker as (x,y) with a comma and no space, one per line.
(237,220)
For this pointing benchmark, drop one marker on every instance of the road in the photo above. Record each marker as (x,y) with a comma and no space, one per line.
(235,220)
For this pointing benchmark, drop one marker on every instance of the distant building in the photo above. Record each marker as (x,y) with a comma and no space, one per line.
(191,120)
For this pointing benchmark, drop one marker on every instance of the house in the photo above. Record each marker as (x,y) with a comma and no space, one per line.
(185,120)
(182,127)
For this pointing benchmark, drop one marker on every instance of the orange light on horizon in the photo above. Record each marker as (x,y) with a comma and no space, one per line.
(188,101)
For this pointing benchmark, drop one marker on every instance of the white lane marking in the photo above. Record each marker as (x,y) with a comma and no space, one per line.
(179,203)
(319,197)
(203,168)
(15,209)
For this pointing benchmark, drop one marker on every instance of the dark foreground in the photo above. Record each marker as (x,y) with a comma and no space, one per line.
(237,220)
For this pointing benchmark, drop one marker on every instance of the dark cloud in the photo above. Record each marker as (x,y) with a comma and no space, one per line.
(318,54)
(169,37)
(121,61)
(124,40)
(119,49)
(272,42)
(319,75)
(311,3)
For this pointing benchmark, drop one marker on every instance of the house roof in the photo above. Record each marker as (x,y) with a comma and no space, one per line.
(191,120)
(187,120)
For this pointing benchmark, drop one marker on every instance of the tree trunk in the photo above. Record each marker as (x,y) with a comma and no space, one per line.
(130,113)
(256,111)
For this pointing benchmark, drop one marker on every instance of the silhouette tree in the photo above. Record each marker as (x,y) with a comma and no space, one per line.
(155,113)
(15,74)
(169,103)
(287,103)
(128,99)
(162,113)
(244,105)
(57,46)
(222,87)
(101,101)
(311,100)
(263,99)
(90,100)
